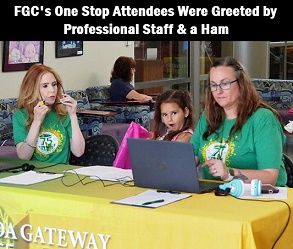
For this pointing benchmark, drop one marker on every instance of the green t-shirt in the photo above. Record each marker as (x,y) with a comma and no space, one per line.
(53,144)
(259,144)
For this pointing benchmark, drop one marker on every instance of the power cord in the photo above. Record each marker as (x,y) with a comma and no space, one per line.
(123,180)
(50,165)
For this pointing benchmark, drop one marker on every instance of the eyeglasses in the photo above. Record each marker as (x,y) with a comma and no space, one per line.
(223,85)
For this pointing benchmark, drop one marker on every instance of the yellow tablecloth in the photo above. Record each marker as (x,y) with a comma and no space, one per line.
(51,215)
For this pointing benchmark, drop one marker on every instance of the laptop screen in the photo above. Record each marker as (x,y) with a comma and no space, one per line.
(163,165)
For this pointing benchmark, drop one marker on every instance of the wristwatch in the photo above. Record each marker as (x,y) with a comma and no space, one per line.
(231,175)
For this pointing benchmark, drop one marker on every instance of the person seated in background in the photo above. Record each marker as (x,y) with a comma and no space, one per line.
(238,136)
(121,88)
(174,116)
(45,126)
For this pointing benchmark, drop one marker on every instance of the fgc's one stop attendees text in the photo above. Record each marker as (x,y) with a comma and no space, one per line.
(147,28)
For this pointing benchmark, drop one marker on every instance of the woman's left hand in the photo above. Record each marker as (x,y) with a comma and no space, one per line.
(216,167)
(70,103)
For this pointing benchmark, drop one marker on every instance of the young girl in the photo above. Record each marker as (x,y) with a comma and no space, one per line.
(174,116)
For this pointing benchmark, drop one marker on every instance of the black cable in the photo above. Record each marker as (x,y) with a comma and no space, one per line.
(50,165)
(21,170)
(81,180)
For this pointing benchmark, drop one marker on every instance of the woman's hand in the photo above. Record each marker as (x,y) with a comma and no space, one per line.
(70,103)
(40,111)
(146,98)
(216,168)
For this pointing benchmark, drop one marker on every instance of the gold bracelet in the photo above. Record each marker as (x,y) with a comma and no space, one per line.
(32,146)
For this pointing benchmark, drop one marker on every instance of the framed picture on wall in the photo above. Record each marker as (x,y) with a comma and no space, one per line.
(21,55)
(69,48)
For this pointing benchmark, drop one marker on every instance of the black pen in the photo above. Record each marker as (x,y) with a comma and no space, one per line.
(153,202)
(167,191)
(45,172)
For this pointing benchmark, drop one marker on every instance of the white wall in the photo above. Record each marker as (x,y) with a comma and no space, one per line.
(93,68)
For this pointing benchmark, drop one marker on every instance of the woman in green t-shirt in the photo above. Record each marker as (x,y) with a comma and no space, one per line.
(45,126)
(238,135)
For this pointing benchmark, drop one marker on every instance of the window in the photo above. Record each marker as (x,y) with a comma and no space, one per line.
(158,61)
(281,60)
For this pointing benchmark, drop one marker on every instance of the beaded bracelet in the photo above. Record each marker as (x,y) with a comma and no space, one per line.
(32,146)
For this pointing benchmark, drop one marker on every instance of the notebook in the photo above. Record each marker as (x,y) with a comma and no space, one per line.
(6,166)
(166,165)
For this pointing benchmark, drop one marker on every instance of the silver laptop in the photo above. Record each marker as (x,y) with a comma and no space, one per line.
(166,165)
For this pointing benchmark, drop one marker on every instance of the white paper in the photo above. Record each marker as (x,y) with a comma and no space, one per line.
(107,173)
(29,177)
(150,196)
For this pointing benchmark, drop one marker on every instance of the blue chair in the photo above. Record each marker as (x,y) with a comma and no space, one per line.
(89,125)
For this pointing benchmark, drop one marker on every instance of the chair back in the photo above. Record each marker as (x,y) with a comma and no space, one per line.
(289,169)
(100,149)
